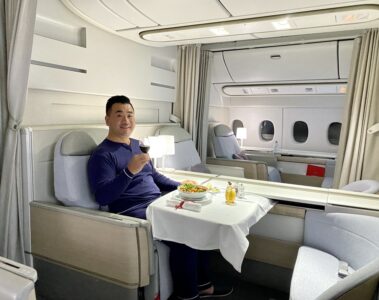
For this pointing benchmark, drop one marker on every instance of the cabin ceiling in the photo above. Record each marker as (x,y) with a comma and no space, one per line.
(176,22)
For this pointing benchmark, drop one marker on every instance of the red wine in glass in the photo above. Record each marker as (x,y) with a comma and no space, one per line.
(144,148)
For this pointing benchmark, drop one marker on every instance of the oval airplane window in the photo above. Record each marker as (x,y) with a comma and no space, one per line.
(266,130)
(300,131)
(334,131)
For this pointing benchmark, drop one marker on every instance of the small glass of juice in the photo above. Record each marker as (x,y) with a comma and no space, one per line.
(230,194)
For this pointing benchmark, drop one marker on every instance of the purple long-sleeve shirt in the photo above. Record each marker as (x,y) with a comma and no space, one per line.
(115,186)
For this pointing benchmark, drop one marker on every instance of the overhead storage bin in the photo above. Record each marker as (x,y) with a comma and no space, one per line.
(315,61)
(219,72)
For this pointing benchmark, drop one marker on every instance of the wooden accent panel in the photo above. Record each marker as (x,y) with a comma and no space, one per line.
(104,247)
(302,179)
(274,252)
(289,211)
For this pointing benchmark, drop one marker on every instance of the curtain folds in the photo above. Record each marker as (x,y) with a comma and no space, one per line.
(203,105)
(3,81)
(186,102)
(356,156)
(18,31)
(192,97)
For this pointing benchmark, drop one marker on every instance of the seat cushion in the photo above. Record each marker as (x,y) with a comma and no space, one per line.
(315,271)
(364,186)
(241,155)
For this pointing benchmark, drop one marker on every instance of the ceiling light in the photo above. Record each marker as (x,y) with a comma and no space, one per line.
(342,89)
(301,20)
(281,25)
(219,31)
(352,18)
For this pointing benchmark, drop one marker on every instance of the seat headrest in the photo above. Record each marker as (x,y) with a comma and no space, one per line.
(180,135)
(71,155)
(222,130)
(77,143)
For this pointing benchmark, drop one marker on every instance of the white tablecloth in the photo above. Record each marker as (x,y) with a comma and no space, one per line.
(217,226)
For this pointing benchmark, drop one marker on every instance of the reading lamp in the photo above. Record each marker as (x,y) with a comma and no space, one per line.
(241,134)
(167,144)
(155,151)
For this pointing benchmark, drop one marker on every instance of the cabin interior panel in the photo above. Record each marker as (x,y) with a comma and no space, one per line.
(76,66)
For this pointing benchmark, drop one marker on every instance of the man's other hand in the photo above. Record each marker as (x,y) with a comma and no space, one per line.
(137,163)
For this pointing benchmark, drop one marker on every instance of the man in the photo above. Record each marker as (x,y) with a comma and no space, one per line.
(123,177)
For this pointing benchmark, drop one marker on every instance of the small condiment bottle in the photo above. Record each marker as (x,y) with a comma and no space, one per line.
(230,194)
(240,190)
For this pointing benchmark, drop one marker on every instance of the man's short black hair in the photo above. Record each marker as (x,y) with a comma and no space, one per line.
(117,99)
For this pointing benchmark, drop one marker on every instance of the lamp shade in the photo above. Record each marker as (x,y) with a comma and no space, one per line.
(156,150)
(167,143)
(241,133)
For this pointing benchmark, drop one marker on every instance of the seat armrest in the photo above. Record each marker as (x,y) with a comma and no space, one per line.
(226,170)
(270,159)
(113,247)
(252,169)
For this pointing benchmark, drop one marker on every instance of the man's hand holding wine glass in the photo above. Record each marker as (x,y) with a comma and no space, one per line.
(138,161)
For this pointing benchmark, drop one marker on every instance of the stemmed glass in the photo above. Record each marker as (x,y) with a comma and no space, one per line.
(144,145)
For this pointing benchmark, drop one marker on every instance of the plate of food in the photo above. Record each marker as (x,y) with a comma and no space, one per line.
(192,191)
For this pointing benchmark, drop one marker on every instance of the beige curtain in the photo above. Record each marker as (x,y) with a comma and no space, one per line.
(3,82)
(356,157)
(185,106)
(192,96)
(202,110)
(17,27)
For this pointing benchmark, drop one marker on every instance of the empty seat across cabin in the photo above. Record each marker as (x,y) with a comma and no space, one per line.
(187,158)
(223,145)
(340,257)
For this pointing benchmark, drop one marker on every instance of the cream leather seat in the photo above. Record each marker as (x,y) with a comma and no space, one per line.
(224,147)
(187,158)
(76,234)
(339,259)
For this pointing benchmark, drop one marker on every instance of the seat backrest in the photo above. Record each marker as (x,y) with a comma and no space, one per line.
(350,237)
(71,155)
(364,186)
(186,155)
(224,142)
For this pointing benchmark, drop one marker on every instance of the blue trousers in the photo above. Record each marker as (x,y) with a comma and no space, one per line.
(189,267)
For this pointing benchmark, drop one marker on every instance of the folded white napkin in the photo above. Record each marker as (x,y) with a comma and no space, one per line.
(189,205)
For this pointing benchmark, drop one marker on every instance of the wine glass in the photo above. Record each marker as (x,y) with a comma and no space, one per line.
(144,145)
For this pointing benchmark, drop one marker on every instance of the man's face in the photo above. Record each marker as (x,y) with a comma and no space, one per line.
(120,120)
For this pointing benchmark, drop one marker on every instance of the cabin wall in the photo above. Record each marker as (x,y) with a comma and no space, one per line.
(76,67)
(283,84)
(317,111)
